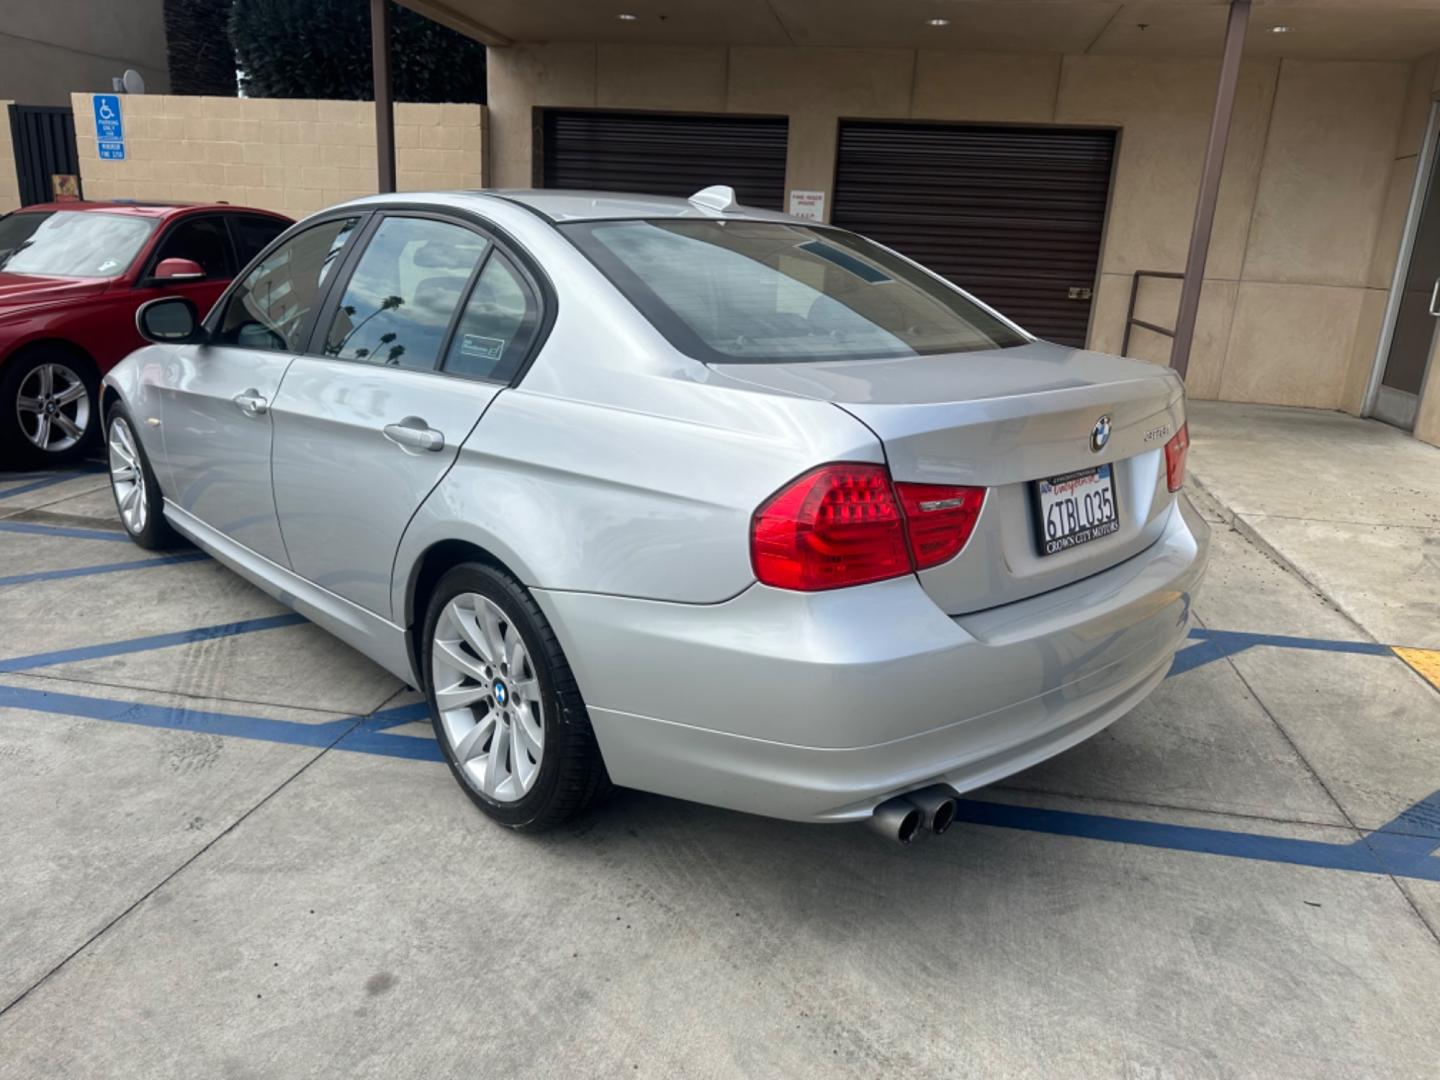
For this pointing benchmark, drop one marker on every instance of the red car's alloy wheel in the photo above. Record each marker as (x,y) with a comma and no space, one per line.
(53,407)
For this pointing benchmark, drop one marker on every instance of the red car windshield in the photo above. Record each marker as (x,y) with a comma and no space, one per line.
(75,243)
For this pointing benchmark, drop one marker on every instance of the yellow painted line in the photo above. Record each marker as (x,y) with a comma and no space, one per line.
(1426,663)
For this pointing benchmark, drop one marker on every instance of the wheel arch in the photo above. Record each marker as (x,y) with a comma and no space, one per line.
(36,344)
(425,573)
(108,397)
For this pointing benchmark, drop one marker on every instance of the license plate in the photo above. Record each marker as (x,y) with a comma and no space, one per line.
(1076,508)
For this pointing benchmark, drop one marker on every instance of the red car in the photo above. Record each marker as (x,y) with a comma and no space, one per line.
(71,276)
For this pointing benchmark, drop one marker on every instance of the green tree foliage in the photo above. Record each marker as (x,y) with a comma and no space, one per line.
(321,49)
(201,60)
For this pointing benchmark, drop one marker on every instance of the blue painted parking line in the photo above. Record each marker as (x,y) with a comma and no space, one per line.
(1394,849)
(144,644)
(49,480)
(360,734)
(1212,645)
(1380,852)
(103,568)
(1404,847)
(63,530)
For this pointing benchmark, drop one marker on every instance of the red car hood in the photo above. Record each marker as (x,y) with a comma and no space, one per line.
(27,290)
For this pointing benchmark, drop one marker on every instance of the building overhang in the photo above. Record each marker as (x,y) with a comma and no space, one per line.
(1314,29)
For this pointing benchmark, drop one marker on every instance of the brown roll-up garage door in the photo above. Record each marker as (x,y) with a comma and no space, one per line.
(665,154)
(1012,215)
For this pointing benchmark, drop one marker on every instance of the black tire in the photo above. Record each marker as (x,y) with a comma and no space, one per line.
(16,444)
(572,773)
(156,535)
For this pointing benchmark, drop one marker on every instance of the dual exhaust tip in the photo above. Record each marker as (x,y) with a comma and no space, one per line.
(901,818)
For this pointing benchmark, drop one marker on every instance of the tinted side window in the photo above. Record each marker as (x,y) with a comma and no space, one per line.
(406,286)
(268,309)
(201,240)
(498,326)
(253,234)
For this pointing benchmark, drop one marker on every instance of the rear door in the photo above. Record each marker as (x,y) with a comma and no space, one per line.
(216,398)
(407,356)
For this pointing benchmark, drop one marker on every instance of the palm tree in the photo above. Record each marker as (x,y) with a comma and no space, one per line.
(390,303)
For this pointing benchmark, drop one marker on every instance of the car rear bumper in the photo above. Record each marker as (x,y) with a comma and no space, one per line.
(818,706)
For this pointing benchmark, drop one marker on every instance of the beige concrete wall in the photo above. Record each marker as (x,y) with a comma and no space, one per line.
(287,155)
(9,184)
(1287,310)
(52,48)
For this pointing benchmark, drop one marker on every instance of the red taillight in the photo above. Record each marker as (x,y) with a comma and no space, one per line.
(939,520)
(837,525)
(1175,457)
(844,525)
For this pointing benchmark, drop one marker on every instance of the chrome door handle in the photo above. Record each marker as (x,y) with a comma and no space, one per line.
(1434,295)
(413,433)
(252,403)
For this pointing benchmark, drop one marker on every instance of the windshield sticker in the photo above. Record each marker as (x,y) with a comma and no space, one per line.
(487,348)
(109,266)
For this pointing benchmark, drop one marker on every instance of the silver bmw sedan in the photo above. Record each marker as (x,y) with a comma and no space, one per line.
(675,494)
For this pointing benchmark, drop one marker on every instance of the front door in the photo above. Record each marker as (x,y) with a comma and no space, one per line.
(366,429)
(216,397)
(1412,338)
(205,241)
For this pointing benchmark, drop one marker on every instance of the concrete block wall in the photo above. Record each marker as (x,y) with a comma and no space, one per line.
(293,156)
(1286,314)
(9,183)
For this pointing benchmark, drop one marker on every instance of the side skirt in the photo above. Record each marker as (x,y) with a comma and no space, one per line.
(379,639)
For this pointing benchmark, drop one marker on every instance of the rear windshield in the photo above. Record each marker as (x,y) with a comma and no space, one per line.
(81,243)
(773,292)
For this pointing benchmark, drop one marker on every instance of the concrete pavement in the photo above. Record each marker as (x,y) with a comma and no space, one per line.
(1352,506)
(234,855)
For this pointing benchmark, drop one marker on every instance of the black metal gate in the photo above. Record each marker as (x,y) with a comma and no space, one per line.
(665,154)
(44,138)
(1014,215)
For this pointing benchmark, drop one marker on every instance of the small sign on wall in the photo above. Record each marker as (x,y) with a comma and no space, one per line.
(65,187)
(109,128)
(809,205)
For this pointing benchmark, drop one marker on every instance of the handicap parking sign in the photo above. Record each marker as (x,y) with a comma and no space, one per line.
(109,128)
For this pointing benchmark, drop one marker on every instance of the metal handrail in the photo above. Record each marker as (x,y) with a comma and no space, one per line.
(1130,319)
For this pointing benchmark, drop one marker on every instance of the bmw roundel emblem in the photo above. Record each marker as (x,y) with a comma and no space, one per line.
(500,693)
(1100,433)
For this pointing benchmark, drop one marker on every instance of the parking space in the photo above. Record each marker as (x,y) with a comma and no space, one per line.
(230,847)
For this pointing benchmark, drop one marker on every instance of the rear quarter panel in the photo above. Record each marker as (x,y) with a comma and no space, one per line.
(656,503)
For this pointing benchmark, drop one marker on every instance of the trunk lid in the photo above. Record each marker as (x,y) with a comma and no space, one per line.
(1003,419)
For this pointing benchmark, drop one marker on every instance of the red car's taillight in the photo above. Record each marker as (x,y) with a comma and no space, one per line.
(1175,457)
(844,524)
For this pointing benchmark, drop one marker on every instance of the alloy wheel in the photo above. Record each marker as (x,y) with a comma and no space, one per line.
(53,407)
(488,695)
(127,477)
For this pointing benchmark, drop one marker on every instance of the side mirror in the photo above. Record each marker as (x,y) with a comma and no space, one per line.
(174,271)
(171,320)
